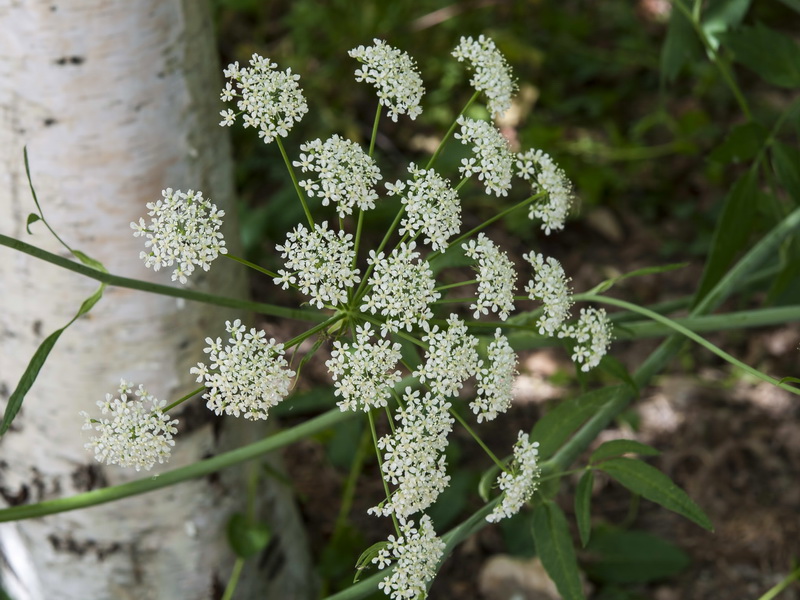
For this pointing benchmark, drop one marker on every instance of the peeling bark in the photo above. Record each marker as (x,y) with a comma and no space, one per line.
(115,101)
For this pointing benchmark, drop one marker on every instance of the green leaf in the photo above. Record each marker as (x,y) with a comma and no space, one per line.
(247,538)
(647,481)
(583,502)
(732,232)
(615,448)
(32,218)
(609,283)
(615,368)
(771,55)
(680,45)
(89,261)
(487,482)
(554,548)
(364,561)
(619,556)
(742,144)
(552,430)
(37,362)
(721,15)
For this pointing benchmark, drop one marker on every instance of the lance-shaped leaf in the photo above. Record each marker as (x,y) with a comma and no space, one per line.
(554,548)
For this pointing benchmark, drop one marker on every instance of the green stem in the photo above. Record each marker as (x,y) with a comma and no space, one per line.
(362,288)
(477,438)
(234,580)
(450,131)
(183,399)
(250,265)
(375,129)
(300,193)
(692,336)
(349,492)
(164,290)
(450,286)
(36,201)
(380,466)
(314,330)
(777,589)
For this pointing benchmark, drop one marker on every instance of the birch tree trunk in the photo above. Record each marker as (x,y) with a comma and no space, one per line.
(115,101)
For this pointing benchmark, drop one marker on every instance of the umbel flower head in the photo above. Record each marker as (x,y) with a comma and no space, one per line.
(395,76)
(495,380)
(269,100)
(346,175)
(184,229)
(248,376)
(551,286)
(451,357)
(545,176)
(416,554)
(320,263)
(592,333)
(492,75)
(364,372)
(494,163)
(496,277)
(432,206)
(521,482)
(135,434)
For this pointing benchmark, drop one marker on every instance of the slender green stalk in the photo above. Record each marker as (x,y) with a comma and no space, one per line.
(164,290)
(477,438)
(363,286)
(349,491)
(183,399)
(375,130)
(314,330)
(234,580)
(782,585)
(36,201)
(300,193)
(450,131)
(450,286)
(251,265)
(692,336)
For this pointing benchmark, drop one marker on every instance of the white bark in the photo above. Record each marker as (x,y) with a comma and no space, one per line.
(115,101)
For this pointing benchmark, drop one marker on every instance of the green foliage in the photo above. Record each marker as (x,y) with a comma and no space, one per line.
(583,502)
(769,54)
(616,448)
(247,537)
(554,548)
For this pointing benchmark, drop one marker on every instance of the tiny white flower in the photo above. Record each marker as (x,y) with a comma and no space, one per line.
(247,376)
(402,288)
(416,555)
(346,174)
(394,74)
(593,335)
(184,229)
(135,435)
(492,75)
(551,286)
(270,100)
(364,372)
(320,262)
(451,357)
(545,176)
(495,160)
(496,277)
(520,482)
(496,380)
(432,207)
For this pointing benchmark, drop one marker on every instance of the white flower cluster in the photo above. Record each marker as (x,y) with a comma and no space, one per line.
(270,100)
(523,480)
(346,174)
(495,161)
(416,554)
(496,277)
(395,76)
(495,381)
(451,357)
(492,75)
(363,372)
(184,230)
(402,288)
(593,335)
(432,206)
(414,457)
(247,376)
(320,263)
(551,286)
(547,177)
(135,435)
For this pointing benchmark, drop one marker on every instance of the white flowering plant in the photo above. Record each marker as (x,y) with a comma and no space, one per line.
(406,354)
